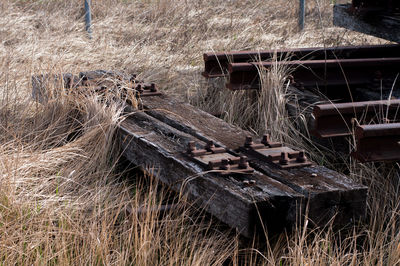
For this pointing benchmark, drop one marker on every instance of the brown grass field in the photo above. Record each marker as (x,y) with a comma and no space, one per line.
(63,201)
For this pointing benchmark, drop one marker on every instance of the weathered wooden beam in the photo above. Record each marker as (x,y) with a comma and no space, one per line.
(156,138)
(328,192)
(148,142)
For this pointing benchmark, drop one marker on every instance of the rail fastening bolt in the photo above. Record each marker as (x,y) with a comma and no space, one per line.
(191,147)
(284,158)
(153,87)
(224,164)
(301,158)
(248,142)
(211,165)
(243,163)
(265,139)
(210,145)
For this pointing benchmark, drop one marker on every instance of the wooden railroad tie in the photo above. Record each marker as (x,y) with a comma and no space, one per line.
(248,185)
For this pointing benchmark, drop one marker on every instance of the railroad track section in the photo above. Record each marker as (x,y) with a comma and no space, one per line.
(340,119)
(375,125)
(342,74)
(217,64)
(245,182)
(379,142)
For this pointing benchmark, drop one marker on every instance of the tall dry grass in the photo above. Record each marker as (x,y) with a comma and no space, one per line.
(61,198)
(63,202)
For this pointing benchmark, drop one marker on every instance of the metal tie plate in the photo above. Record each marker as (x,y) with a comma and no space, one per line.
(218,159)
(275,153)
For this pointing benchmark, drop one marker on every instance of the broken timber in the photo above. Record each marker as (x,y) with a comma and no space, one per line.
(157,138)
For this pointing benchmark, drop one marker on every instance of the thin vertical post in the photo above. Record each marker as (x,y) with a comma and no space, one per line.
(88,18)
(302,14)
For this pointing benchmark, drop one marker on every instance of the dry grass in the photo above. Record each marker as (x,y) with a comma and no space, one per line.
(61,198)
(62,202)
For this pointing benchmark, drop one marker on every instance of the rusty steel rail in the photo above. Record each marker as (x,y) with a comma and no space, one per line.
(336,119)
(332,73)
(216,64)
(380,142)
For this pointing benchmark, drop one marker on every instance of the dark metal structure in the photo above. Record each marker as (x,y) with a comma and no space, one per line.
(216,64)
(339,119)
(342,74)
(380,18)
(380,142)
(386,5)
(329,74)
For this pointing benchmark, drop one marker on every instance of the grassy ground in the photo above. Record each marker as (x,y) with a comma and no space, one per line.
(61,199)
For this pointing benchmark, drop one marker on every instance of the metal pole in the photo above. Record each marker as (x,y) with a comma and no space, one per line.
(302,14)
(88,18)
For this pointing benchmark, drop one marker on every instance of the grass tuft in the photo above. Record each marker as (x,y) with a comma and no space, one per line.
(62,200)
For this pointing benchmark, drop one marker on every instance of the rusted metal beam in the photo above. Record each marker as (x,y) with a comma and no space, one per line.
(216,64)
(380,142)
(321,74)
(336,119)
